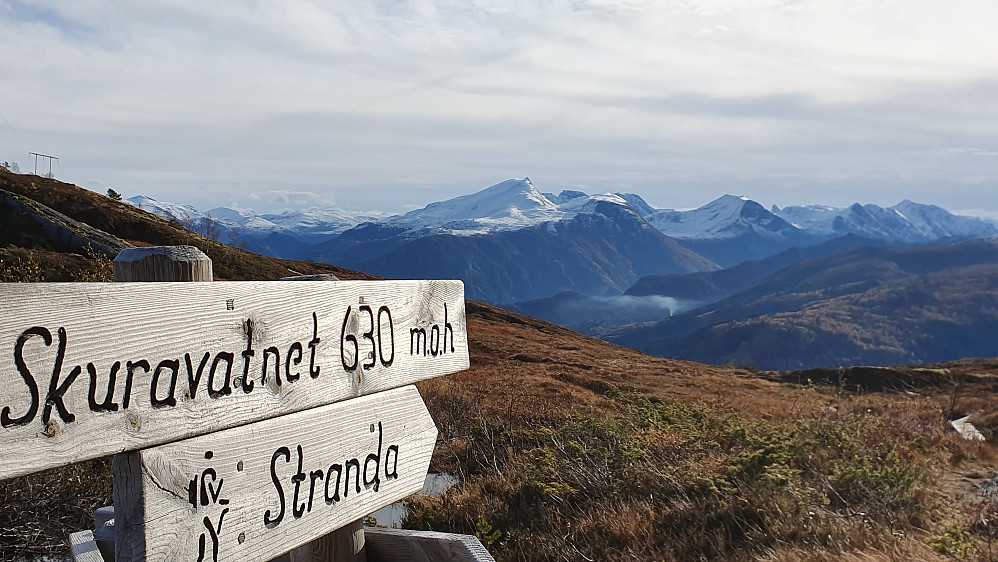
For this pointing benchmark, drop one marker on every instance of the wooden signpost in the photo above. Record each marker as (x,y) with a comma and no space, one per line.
(247,419)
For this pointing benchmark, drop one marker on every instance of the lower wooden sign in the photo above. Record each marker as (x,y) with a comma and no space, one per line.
(256,491)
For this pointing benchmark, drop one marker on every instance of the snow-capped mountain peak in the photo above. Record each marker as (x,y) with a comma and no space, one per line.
(510,204)
(726,217)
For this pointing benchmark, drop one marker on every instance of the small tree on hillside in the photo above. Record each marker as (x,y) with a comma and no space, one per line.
(113,194)
(210,228)
(236,240)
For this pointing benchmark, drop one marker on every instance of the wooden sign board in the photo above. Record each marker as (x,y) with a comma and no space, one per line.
(256,491)
(91,369)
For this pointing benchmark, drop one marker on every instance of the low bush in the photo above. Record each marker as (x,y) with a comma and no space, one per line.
(688,481)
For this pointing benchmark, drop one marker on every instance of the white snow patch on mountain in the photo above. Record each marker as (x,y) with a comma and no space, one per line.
(906,222)
(507,205)
(183,213)
(725,217)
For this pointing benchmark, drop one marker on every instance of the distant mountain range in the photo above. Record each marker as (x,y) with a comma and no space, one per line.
(511,242)
(871,305)
(850,300)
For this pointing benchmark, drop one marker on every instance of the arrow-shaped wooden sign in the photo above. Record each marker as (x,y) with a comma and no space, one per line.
(256,491)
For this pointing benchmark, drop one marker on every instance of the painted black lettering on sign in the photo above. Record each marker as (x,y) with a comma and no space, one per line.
(194,381)
(391,333)
(108,404)
(56,390)
(348,338)
(434,343)
(313,369)
(277,365)
(29,379)
(336,488)
(226,386)
(130,368)
(267,520)
(374,335)
(313,476)
(369,335)
(346,484)
(102,396)
(296,350)
(376,457)
(370,473)
(171,400)
(247,354)
(298,478)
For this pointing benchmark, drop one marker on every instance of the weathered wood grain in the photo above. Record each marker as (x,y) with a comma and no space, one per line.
(403,545)
(83,548)
(366,336)
(346,543)
(256,491)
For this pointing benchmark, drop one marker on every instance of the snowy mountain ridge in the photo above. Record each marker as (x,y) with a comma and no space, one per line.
(516,204)
(905,222)
(308,225)
(725,217)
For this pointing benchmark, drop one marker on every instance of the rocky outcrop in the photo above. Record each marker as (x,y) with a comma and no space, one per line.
(25,218)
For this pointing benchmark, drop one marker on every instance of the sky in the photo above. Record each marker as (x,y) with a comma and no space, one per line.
(391,104)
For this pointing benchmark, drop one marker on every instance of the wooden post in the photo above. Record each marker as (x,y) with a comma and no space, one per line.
(157,263)
(345,543)
(162,263)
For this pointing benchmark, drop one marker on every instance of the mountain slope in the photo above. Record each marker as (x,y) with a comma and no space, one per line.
(603,249)
(139,227)
(281,234)
(711,286)
(730,230)
(656,297)
(726,231)
(876,306)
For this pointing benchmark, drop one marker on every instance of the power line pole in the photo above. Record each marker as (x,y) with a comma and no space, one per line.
(51,158)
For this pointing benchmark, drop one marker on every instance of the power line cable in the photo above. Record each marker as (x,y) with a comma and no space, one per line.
(13,130)
(10,148)
(8,145)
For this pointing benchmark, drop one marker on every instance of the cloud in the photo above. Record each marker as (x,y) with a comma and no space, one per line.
(209,101)
(295,199)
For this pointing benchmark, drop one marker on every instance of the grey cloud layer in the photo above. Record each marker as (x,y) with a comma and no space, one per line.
(402,103)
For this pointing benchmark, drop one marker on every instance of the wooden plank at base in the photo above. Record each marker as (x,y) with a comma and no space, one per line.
(83,547)
(91,369)
(256,491)
(403,545)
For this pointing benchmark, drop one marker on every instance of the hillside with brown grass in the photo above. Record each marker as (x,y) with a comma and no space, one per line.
(571,448)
